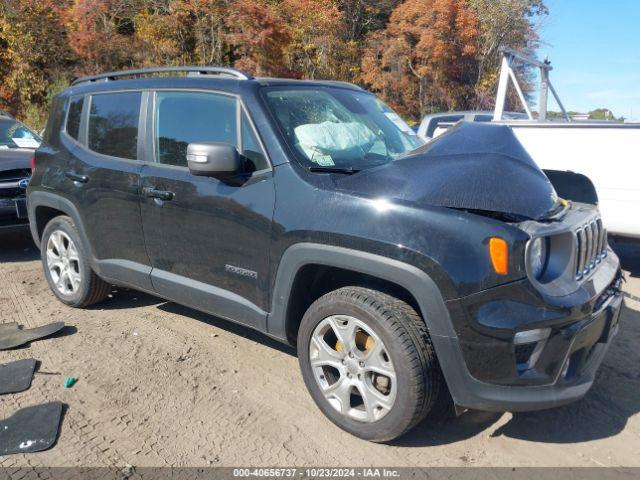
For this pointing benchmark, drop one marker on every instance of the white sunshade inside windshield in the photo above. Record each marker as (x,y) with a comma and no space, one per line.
(13,134)
(26,142)
(321,142)
(339,127)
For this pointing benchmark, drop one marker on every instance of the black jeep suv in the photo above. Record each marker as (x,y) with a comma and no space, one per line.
(407,274)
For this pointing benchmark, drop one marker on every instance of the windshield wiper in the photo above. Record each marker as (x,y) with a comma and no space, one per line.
(328,169)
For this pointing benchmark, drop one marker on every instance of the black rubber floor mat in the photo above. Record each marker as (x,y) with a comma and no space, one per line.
(16,376)
(11,335)
(31,429)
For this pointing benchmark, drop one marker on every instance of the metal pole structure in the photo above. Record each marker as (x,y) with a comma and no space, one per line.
(520,94)
(506,72)
(503,85)
(555,95)
(544,89)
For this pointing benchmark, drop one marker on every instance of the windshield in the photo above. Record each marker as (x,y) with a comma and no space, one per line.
(16,135)
(335,127)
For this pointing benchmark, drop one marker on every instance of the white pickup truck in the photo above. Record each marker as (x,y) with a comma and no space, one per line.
(607,153)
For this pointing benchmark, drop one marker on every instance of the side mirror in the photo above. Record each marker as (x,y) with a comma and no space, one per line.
(213,159)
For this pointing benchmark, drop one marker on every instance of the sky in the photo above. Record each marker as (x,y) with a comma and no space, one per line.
(594,48)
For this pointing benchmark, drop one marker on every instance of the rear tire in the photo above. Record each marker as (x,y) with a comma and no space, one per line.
(342,380)
(66,265)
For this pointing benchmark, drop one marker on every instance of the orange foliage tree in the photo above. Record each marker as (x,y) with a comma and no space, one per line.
(425,59)
(34,56)
(317,49)
(419,55)
(259,36)
(99,33)
(180,32)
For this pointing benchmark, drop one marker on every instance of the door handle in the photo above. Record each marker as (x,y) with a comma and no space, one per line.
(159,194)
(76,177)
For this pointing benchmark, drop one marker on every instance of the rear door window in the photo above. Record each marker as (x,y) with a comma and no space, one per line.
(113,124)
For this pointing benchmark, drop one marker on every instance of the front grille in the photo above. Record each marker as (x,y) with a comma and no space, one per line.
(10,182)
(11,192)
(591,247)
(14,175)
(524,352)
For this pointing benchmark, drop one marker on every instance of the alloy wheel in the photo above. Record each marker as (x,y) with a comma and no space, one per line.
(63,263)
(353,368)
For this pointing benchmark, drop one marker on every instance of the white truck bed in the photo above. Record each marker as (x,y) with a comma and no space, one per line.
(607,153)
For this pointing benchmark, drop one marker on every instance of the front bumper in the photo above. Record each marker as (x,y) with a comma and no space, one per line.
(13,213)
(486,370)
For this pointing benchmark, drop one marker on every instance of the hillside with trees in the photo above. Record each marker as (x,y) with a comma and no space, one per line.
(420,56)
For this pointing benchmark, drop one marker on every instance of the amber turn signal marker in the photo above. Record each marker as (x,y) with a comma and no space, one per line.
(499,253)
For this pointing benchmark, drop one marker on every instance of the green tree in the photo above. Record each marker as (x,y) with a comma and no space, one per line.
(604,114)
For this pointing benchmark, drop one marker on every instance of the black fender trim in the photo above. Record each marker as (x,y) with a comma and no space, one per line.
(117,272)
(414,280)
(41,198)
(417,282)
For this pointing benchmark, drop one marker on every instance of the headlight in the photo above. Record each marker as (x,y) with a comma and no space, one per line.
(538,253)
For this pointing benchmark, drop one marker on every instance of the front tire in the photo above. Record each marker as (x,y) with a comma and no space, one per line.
(66,265)
(368,362)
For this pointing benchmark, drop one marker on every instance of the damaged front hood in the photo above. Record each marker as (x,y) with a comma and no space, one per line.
(473,166)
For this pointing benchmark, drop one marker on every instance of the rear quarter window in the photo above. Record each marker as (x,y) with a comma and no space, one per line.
(55,122)
(74,116)
(113,124)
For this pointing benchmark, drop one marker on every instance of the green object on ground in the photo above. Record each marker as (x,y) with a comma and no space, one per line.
(70,381)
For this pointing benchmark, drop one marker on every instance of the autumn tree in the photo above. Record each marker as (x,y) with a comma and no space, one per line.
(201,28)
(504,23)
(158,38)
(364,16)
(34,56)
(317,49)
(181,32)
(259,37)
(100,32)
(426,58)
(419,55)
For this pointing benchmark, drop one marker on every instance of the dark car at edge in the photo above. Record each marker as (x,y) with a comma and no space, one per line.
(409,276)
(17,147)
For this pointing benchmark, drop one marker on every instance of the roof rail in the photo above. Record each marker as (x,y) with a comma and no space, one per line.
(4,113)
(191,70)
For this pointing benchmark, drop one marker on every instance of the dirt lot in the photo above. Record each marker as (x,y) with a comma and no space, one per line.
(160,384)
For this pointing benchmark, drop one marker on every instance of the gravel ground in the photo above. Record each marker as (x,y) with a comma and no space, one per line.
(164,385)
